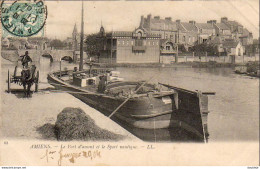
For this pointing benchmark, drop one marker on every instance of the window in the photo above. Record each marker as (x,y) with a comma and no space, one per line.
(168,47)
(149,43)
(132,42)
(118,42)
(144,43)
(138,42)
(123,42)
(114,42)
(139,35)
(184,39)
(153,43)
(127,42)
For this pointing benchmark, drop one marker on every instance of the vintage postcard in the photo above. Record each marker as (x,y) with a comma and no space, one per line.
(109,83)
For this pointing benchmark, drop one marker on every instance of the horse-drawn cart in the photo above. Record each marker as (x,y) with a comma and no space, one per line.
(27,77)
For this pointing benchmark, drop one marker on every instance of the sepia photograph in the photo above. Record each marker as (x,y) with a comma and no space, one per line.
(101,83)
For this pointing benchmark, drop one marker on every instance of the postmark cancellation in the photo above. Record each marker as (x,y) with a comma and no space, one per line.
(23,18)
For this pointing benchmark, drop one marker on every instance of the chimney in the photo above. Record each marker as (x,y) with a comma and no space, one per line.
(178,21)
(149,17)
(157,17)
(148,22)
(224,19)
(142,21)
(192,22)
(212,22)
(168,18)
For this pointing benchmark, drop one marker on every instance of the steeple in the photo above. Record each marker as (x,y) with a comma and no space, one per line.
(75,31)
(102,30)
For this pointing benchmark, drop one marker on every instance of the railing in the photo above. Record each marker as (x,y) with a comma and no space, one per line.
(168,51)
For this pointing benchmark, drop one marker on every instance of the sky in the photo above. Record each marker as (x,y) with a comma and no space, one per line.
(125,15)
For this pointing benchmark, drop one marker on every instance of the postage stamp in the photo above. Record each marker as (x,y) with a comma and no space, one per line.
(23,18)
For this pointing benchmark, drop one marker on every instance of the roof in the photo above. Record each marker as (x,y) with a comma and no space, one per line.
(130,34)
(167,25)
(122,33)
(222,26)
(204,25)
(234,23)
(230,44)
(189,27)
(246,33)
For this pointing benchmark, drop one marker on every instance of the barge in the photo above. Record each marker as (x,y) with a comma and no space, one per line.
(140,107)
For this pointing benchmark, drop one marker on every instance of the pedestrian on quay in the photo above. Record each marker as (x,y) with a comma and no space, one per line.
(26,59)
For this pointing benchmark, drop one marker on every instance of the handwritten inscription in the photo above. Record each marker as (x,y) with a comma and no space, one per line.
(72,152)
(50,154)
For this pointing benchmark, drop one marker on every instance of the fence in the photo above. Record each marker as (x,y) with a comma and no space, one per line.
(218,59)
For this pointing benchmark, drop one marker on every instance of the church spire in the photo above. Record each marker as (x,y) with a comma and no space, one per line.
(102,29)
(75,30)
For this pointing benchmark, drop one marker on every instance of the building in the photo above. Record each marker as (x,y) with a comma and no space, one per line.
(168,51)
(233,47)
(235,27)
(205,30)
(222,30)
(13,43)
(186,33)
(138,46)
(238,31)
(191,31)
(246,38)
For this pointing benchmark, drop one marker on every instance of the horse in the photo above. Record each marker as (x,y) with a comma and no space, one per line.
(27,79)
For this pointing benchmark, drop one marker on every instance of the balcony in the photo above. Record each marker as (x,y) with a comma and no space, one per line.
(168,51)
(139,48)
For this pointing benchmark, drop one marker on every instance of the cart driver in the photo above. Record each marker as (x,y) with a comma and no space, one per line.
(25,60)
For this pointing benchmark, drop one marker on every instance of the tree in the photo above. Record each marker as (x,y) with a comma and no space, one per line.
(181,48)
(200,49)
(57,44)
(93,45)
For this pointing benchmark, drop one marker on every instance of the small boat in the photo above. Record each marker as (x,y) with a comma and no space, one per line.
(148,107)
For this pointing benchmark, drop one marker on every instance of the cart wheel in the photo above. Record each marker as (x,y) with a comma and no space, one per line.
(8,82)
(37,81)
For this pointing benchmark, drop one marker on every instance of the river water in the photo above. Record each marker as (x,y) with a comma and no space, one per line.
(234,110)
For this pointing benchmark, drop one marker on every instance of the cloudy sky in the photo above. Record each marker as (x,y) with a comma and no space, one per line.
(125,15)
